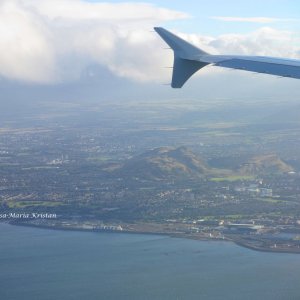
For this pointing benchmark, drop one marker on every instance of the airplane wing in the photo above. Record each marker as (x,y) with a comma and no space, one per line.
(188,59)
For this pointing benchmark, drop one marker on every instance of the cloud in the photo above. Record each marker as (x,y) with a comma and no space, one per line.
(25,48)
(263,20)
(50,41)
(265,41)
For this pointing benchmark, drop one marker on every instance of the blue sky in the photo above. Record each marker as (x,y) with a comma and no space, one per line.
(201,12)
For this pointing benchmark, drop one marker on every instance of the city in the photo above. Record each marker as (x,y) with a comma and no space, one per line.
(238,182)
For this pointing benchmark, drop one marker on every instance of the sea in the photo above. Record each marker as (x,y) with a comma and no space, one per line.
(41,264)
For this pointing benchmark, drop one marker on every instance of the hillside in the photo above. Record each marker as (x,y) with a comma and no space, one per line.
(182,163)
(265,164)
(165,162)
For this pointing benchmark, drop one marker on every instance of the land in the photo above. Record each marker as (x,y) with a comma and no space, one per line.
(183,169)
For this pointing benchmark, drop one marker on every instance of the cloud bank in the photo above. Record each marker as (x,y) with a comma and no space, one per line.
(50,41)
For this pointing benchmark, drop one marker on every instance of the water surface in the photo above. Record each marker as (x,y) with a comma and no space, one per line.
(46,264)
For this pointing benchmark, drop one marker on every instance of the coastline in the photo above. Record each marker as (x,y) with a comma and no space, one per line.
(238,241)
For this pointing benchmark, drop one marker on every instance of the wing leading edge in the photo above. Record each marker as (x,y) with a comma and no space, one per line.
(188,59)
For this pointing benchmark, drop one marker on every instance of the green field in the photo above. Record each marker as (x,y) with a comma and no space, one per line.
(231,178)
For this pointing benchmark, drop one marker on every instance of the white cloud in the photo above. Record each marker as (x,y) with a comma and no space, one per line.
(263,20)
(265,41)
(54,40)
(25,48)
(48,41)
(78,10)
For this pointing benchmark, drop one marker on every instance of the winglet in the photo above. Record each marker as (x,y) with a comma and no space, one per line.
(182,48)
(184,54)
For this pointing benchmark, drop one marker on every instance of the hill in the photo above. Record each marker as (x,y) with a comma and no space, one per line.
(265,164)
(181,163)
(165,162)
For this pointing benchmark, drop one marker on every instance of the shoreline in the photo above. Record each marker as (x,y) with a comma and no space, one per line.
(238,241)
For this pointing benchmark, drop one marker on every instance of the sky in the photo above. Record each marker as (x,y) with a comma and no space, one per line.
(57,42)
(285,14)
